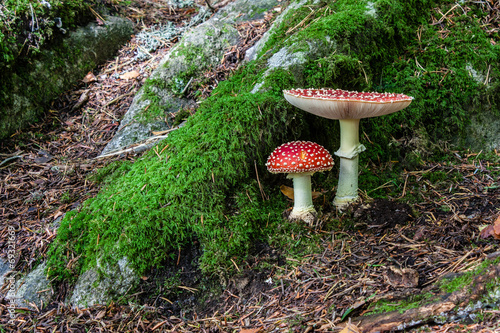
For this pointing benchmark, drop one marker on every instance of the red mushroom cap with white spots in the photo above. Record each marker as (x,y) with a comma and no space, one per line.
(299,156)
(343,104)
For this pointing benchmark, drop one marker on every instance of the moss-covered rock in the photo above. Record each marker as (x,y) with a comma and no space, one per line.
(207,183)
(200,49)
(27,88)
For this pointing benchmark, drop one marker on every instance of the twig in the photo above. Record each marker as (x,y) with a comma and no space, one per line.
(97,14)
(212,9)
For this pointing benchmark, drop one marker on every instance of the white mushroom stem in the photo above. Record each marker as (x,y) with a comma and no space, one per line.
(302,194)
(347,189)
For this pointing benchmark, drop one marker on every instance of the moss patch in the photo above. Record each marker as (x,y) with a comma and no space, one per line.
(413,302)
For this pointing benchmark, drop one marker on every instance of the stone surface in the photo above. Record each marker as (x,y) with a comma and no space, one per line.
(26,90)
(102,284)
(199,49)
(484,132)
(4,269)
(34,288)
(254,51)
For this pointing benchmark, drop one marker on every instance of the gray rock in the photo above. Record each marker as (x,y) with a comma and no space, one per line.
(246,10)
(253,53)
(102,284)
(284,58)
(134,130)
(483,132)
(4,269)
(200,48)
(26,91)
(34,288)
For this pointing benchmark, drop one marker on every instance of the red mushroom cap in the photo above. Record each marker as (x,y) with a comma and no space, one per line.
(299,156)
(343,104)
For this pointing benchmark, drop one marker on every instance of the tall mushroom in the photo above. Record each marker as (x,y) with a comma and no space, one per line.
(348,107)
(300,159)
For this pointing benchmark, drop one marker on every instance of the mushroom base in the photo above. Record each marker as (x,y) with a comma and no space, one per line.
(347,189)
(307,216)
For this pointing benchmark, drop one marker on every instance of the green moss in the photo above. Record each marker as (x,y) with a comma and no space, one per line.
(412,302)
(111,172)
(436,70)
(465,280)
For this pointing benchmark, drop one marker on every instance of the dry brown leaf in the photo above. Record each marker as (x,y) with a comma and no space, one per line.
(496,226)
(288,192)
(316,195)
(486,232)
(90,77)
(492,230)
(84,97)
(401,277)
(130,75)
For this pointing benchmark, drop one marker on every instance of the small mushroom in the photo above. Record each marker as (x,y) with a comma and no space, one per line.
(348,107)
(300,159)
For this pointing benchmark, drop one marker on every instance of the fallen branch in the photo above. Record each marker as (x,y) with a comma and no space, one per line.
(396,320)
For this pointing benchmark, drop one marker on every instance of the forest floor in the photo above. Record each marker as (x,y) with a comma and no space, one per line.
(390,251)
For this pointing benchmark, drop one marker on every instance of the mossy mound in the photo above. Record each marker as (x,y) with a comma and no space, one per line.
(199,184)
(207,181)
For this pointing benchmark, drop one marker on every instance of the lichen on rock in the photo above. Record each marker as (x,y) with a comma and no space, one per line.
(102,284)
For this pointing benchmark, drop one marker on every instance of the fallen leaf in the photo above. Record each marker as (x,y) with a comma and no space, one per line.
(100,315)
(486,232)
(288,192)
(90,77)
(84,97)
(43,157)
(316,195)
(492,230)
(130,75)
(496,226)
(401,277)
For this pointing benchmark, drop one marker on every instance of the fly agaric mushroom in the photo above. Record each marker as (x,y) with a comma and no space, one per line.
(300,159)
(348,107)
